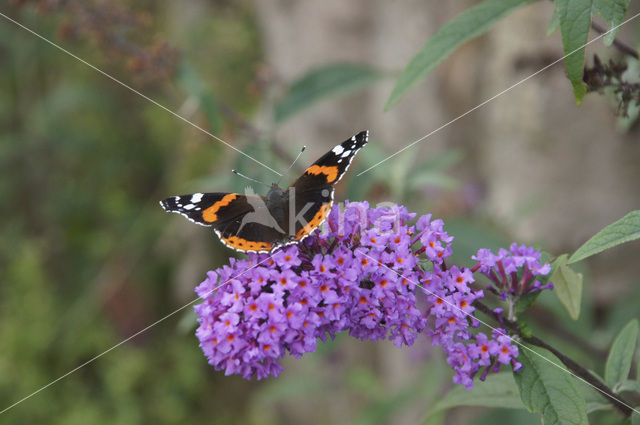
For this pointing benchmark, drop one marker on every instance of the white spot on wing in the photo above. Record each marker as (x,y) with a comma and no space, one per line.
(338,150)
(189,207)
(196,197)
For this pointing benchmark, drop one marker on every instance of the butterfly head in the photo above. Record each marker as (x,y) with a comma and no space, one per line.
(275,194)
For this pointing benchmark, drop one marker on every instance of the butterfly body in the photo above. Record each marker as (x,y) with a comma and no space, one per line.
(253,223)
(276,200)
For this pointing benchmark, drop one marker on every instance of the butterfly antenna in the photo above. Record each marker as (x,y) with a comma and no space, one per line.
(294,161)
(248,178)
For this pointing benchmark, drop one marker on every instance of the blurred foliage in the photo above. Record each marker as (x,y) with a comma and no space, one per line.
(574,18)
(323,82)
(470,23)
(82,164)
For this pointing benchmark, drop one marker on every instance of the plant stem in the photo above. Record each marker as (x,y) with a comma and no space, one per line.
(547,320)
(622,46)
(574,367)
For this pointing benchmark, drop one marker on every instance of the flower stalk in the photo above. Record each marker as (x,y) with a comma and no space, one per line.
(574,367)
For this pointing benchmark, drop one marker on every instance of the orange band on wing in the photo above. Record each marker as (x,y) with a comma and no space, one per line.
(210,214)
(315,221)
(331,171)
(245,245)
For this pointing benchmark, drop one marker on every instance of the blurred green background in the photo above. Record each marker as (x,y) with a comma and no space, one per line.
(88,258)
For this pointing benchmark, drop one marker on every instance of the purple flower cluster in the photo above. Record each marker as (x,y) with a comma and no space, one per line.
(359,274)
(450,304)
(513,273)
(355,276)
(466,352)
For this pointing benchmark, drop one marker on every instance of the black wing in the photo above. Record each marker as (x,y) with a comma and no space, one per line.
(313,191)
(207,209)
(242,222)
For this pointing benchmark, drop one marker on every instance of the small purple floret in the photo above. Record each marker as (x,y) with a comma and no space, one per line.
(513,273)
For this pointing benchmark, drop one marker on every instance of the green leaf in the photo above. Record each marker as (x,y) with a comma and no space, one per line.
(595,400)
(188,322)
(554,23)
(567,285)
(526,301)
(619,361)
(624,230)
(322,82)
(549,391)
(194,86)
(575,23)
(627,385)
(635,417)
(613,11)
(498,390)
(470,23)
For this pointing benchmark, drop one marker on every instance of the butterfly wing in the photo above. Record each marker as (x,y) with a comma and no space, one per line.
(313,191)
(203,208)
(240,221)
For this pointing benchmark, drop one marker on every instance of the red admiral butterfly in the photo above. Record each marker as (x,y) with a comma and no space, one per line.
(253,223)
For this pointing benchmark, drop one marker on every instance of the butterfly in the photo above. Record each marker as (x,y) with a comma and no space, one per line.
(253,223)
